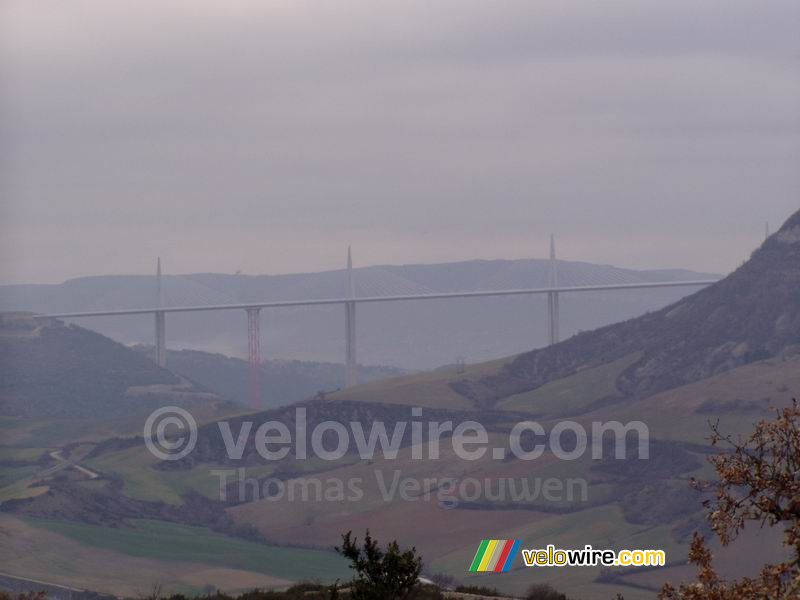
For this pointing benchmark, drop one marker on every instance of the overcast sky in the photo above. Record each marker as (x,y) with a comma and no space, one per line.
(267,135)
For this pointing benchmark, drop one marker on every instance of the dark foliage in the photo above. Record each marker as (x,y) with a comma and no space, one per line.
(68,371)
(283,381)
(389,574)
(758,482)
(543,591)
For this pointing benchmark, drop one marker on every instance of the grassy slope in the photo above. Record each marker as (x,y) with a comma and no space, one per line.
(11,475)
(86,374)
(671,415)
(571,394)
(173,542)
(28,439)
(678,415)
(602,527)
(422,389)
(445,535)
(43,553)
(56,432)
(319,521)
(141,481)
(20,454)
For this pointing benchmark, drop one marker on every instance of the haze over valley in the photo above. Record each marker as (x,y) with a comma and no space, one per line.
(408,335)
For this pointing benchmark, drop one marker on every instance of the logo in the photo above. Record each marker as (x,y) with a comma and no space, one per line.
(495,555)
(172,415)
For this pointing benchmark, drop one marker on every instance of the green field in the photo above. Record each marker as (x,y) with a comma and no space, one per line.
(56,432)
(173,542)
(53,432)
(21,489)
(11,475)
(571,394)
(21,454)
(143,482)
(429,389)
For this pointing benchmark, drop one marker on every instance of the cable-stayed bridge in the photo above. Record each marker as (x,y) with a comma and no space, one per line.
(367,285)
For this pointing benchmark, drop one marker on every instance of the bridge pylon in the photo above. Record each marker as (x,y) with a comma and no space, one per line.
(351,367)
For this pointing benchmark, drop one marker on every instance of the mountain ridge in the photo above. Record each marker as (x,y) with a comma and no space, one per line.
(409,335)
(683,342)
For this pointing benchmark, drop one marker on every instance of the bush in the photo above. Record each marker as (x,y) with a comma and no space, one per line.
(543,591)
(387,574)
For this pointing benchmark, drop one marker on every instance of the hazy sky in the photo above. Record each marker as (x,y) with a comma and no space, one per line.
(267,135)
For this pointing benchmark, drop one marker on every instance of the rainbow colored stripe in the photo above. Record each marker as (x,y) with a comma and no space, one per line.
(495,555)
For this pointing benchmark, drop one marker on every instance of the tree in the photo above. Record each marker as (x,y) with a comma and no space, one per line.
(758,481)
(380,574)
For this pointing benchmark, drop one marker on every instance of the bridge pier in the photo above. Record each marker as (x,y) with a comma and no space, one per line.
(161,321)
(254,355)
(552,297)
(161,339)
(351,367)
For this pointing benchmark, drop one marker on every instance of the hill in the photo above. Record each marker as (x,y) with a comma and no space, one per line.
(626,506)
(752,314)
(49,369)
(420,335)
(282,381)
(729,352)
(52,370)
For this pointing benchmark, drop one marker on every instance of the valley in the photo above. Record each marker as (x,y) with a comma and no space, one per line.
(727,354)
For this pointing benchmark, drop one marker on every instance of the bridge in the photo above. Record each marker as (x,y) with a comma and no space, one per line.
(349,301)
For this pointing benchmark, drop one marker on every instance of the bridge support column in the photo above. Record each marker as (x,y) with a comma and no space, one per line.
(552,297)
(161,321)
(254,355)
(351,367)
(161,339)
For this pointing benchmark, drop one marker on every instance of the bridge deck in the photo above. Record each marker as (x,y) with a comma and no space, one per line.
(365,299)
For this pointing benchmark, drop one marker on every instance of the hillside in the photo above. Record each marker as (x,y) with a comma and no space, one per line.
(52,370)
(48,369)
(729,352)
(413,336)
(626,506)
(752,314)
(282,381)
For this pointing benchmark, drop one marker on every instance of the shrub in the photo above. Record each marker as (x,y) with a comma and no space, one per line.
(543,591)
(387,574)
